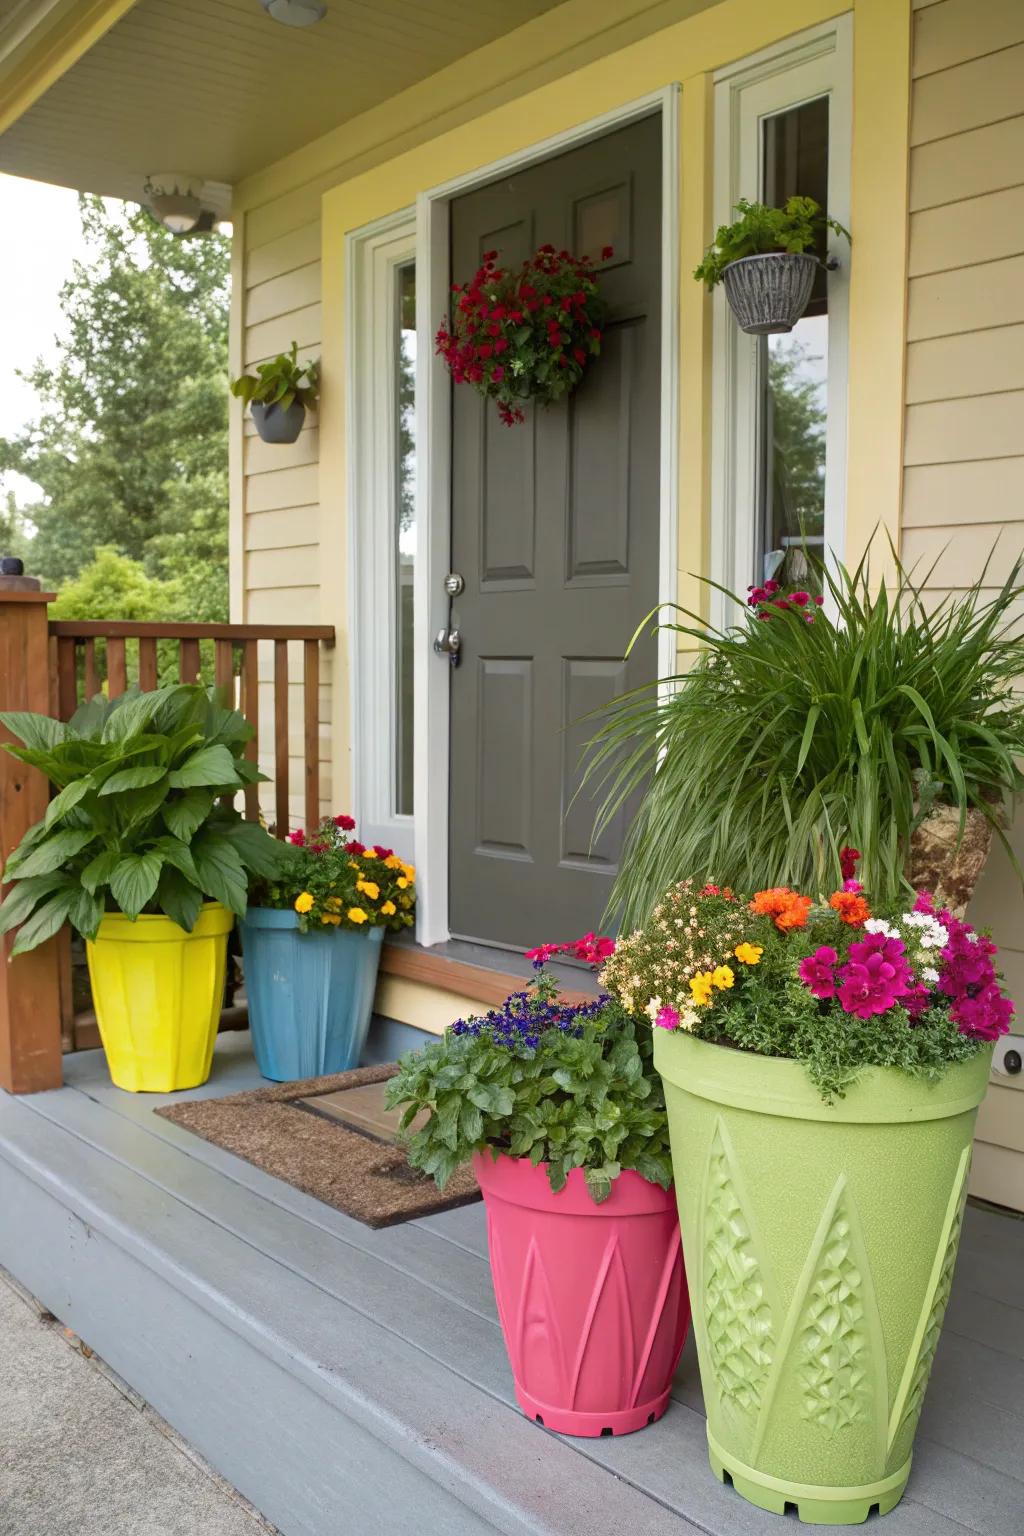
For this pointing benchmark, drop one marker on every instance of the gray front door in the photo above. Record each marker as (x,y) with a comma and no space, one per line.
(555,532)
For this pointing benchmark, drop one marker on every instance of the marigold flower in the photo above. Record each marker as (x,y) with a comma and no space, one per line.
(402,883)
(356,915)
(700,988)
(749,954)
(331,917)
(788,908)
(304,901)
(723,977)
(369,888)
(851,906)
(388,909)
(394,862)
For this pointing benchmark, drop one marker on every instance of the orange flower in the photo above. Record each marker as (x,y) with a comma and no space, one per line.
(788,908)
(853,909)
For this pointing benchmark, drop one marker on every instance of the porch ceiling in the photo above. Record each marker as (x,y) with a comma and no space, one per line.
(216,88)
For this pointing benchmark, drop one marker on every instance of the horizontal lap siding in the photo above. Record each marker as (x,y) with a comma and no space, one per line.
(963,494)
(281,484)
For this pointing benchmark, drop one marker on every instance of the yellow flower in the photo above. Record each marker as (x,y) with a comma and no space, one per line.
(388,909)
(353,863)
(356,915)
(409,871)
(402,883)
(331,917)
(394,862)
(368,888)
(722,977)
(700,988)
(749,954)
(304,901)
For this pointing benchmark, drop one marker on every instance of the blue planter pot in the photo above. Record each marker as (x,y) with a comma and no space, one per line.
(310,994)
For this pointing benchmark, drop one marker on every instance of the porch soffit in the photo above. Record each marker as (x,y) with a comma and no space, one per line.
(213,87)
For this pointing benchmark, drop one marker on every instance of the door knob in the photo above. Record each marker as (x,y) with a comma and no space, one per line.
(448,642)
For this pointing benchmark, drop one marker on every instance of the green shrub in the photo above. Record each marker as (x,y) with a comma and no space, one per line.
(138,824)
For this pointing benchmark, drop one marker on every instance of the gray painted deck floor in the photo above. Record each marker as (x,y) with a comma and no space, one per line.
(350,1380)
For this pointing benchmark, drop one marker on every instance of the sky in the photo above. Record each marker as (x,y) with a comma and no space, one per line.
(41,239)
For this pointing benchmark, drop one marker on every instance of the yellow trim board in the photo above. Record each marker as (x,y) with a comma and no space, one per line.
(67,31)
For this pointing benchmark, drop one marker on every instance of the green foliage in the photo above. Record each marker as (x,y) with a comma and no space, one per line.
(799,226)
(138,824)
(334,881)
(583,1094)
(112,586)
(14,536)
(281,382)
(787,740)
(130,446)
(797,450)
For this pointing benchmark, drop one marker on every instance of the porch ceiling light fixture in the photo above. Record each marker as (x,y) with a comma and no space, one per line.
(295,13)
(174,199)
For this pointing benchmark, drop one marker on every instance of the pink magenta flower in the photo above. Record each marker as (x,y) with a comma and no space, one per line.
(298,837)
(542,954)
(667,1018)
(875,977)
(592,949)
(817,971)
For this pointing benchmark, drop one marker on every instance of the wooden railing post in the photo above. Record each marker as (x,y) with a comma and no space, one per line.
(30,1001)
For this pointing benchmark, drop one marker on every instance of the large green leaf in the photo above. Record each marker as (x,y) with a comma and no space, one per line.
(260,853)
(178,854)
(54,851)
(137,777)
(86,913)
(220,870)
(66,801)
(24,895)
(134,880)
(210,765)
(132,712)
(45,920)
(99,870)
(38,732)
(179,899)
(184,815)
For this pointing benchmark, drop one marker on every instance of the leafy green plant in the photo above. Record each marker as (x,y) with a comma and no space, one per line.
(787,740)
(798,226)
(280,382)
(138,823)
(568,1086)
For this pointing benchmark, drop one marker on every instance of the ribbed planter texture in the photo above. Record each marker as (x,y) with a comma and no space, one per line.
(275,425)
(820,1243)
(310,994)
(592,1298)
(158,993)
(769,293)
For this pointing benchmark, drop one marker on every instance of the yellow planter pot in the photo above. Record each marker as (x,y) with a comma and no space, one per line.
(158,992)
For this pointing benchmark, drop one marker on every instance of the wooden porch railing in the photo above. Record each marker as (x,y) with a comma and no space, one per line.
(53,666)
(222,654)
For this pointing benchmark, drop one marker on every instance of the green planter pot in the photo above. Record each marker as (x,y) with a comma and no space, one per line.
(820,1242)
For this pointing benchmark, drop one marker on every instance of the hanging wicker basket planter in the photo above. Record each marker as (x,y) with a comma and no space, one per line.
(769,293)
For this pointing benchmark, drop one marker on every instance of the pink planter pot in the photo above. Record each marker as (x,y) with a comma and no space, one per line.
(592,1298)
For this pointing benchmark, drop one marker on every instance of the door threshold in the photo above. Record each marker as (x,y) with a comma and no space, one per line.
(479,972)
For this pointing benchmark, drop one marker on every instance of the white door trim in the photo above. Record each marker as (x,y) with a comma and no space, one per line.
(433,477)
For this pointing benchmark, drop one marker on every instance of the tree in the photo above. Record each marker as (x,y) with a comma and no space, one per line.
(14,538)
(112,585)
(130,446)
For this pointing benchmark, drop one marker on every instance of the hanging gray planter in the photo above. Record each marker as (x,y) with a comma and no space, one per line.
(275,425)
(769,293)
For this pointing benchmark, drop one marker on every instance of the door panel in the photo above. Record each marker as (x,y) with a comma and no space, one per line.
(555,532)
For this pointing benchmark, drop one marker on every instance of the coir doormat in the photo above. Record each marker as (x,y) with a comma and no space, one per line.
(338,1150)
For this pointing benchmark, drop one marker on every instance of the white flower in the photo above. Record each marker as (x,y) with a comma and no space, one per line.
(653,1008)
(929,975)
(916,919)
(972,938)
(879,925)
(687,1018)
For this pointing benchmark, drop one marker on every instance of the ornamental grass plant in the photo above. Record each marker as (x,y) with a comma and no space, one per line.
(812,723)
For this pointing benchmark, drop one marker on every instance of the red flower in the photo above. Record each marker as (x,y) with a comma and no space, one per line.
(297,838)
(382,853)
(355,847)
(346,823)
(607,252)
(848,858)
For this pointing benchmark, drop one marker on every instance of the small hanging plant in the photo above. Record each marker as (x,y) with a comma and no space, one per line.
(766,260)
(526,334)
(278,394)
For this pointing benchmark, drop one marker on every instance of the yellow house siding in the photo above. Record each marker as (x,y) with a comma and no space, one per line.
(964,440)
